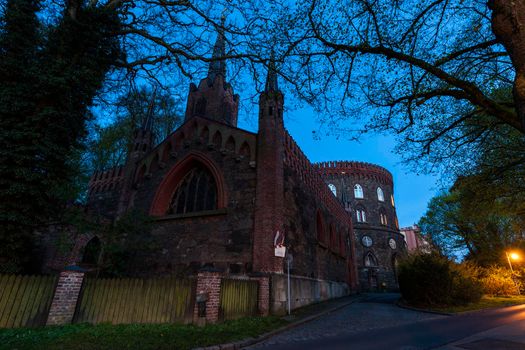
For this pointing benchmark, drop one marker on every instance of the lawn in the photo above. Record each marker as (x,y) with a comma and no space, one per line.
(484,303)
(135,336)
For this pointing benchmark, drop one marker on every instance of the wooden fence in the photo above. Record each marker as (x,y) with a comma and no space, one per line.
(158,300)
(239,298)
(25,300)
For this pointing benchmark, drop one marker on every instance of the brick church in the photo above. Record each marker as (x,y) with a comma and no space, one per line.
(224,198)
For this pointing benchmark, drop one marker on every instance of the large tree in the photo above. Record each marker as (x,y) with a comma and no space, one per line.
(421,69)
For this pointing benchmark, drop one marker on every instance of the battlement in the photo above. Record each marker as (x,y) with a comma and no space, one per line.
(353,168)
(311,177)
(102,181)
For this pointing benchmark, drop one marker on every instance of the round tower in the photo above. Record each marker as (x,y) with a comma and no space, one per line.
(367,192)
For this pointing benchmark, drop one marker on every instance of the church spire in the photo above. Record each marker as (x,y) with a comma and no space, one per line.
(271,79)
(148,123)
(218,65)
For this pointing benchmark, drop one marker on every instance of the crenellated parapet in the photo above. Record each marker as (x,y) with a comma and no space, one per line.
(355,170)
(311,177)
(108,180)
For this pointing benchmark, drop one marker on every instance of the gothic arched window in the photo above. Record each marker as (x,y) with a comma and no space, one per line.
(197,191)
(380,195)
(370,260)
(360,214)
(358,191)
(333,189)
(382,217)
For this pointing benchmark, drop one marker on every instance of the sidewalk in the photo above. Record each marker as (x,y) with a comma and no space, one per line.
(297,318)
(509,337)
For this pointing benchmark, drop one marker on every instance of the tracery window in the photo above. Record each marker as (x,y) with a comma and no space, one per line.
(380,195)
(197,191)
(358,191)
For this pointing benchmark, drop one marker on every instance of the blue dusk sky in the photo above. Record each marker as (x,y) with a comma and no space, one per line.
(412,192)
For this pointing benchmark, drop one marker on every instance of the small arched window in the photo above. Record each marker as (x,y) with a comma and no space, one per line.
(392,200)
(380,195)
(360,214)
(197,191)
(383,219)
(358,191)
(91,252)
(370,260)
(333,189)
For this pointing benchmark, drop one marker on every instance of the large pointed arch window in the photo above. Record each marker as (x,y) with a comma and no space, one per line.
(197,191)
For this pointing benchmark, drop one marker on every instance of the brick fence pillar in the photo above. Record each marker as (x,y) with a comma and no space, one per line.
(66,296)
(208,284)
(264,295)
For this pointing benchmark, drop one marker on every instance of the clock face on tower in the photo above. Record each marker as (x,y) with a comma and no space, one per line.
(392,243)
(367,241)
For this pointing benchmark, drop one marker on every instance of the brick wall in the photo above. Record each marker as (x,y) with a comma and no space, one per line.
(65,298)
(209,283)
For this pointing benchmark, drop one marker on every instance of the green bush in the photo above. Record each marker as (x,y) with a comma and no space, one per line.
(499,281)
(432,279)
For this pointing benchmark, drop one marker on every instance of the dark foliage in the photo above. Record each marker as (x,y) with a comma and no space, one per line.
(432,279)
(49,76)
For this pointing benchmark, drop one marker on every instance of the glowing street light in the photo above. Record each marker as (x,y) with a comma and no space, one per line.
(512,256)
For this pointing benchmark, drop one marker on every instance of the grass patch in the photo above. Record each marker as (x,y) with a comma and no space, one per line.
(135,336)
(485,303)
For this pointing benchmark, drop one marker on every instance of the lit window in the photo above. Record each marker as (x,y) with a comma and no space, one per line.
(361,215)
(196,192)
(333,189)
(383,219)
(358,191)
(380,195)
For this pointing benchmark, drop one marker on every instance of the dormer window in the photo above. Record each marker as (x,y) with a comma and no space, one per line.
(358,191)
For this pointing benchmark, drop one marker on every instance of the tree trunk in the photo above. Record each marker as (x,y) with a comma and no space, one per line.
(508,24)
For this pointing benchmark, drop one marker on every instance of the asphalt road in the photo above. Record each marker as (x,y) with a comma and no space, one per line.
(383,330)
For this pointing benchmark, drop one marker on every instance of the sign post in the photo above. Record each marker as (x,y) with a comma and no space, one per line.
(289,260)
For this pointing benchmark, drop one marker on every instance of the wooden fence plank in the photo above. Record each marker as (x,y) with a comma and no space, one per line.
(23,300)
(10,302)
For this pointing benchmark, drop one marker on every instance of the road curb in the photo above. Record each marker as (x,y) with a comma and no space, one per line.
(404,306)
(251,341)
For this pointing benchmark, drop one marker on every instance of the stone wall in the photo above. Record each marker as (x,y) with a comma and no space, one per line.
(304,291)
(344,176)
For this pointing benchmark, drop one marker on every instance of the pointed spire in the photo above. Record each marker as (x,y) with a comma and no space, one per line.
(271,79)
(219,50)
(148,123)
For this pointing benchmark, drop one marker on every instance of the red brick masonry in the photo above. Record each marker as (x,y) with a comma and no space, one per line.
(65,298)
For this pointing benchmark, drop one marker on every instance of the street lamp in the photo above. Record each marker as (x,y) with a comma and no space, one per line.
(512,256)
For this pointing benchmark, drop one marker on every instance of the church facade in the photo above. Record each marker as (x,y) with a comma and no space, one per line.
(222,198)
